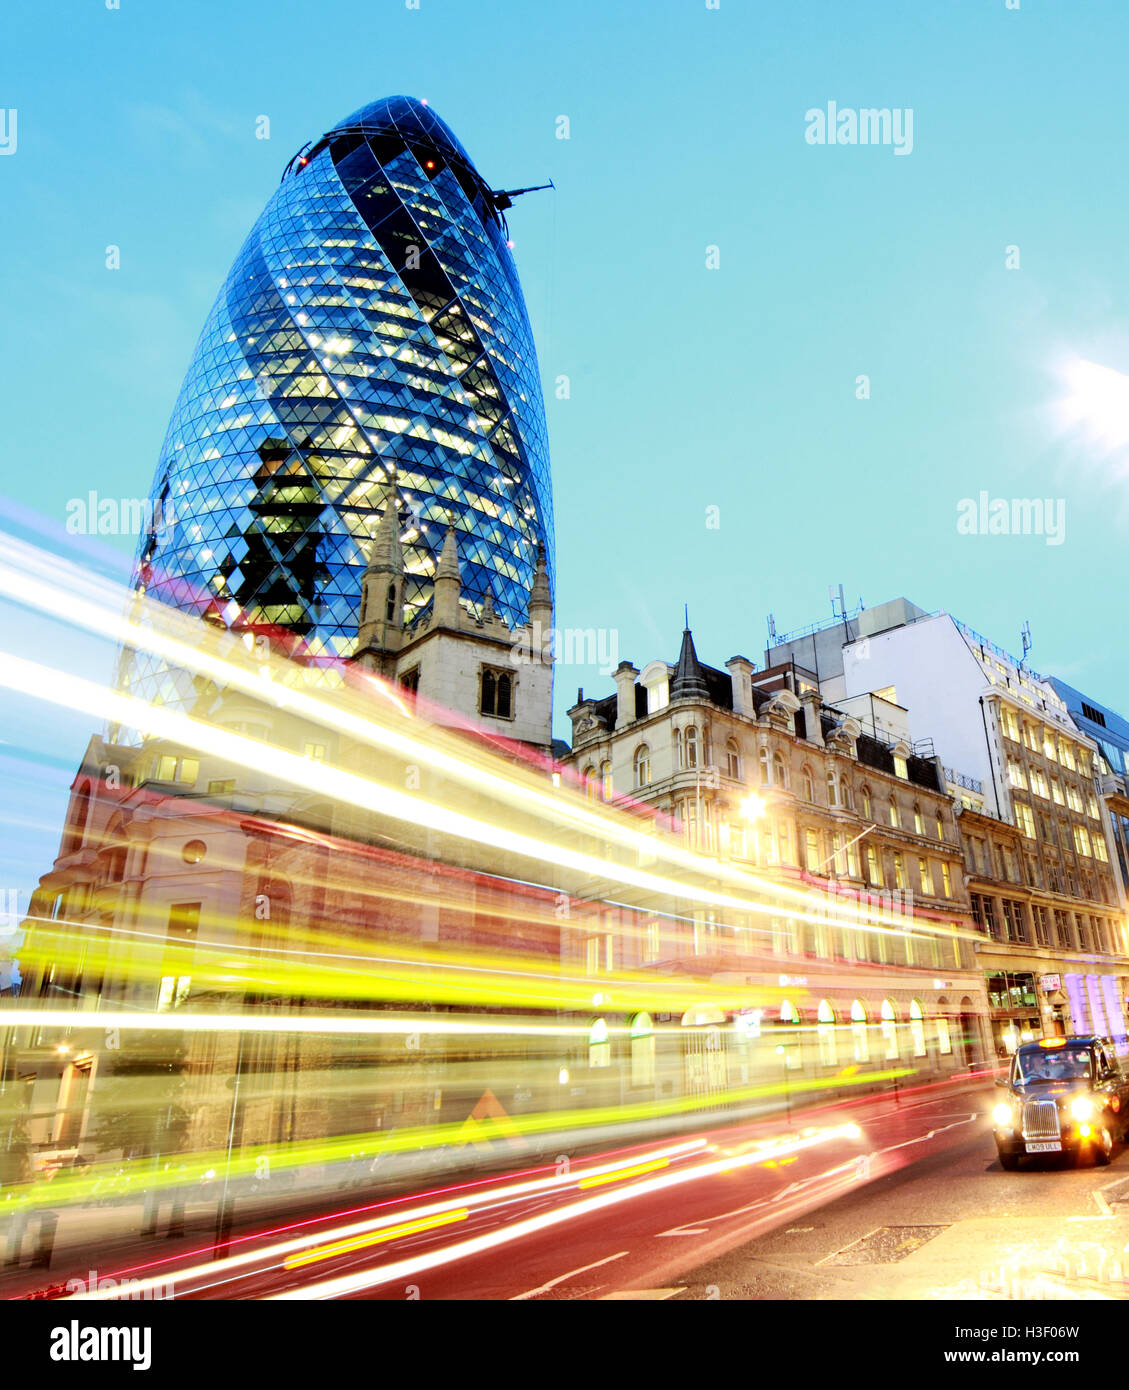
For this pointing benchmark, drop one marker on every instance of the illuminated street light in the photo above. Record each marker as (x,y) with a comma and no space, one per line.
(754,807)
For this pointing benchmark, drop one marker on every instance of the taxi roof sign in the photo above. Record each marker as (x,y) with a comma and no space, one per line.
(1052,1042)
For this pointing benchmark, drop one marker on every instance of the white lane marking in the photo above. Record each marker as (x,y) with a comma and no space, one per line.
(1105,1207)
(625,1295)
(552,1284)
(684,1231)
(931,1135)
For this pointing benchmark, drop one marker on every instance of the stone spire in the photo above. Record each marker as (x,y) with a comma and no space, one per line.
(448,583)
(382,589)
(688,682)
(540,599)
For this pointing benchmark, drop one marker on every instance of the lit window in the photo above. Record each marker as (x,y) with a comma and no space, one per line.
(314,751)
(642,1051)
(917,1028)
(926,875)
(890,1029)
(946,881)
(599,1045)
(606,781)
(825,1031)
(690,744)
(901,767)
(873,867)
(895,817)
(859,1041)
(918,820)
(899,872)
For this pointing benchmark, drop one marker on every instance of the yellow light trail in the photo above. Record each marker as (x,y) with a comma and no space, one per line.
(346,1247)
(493,1196)
(635,1172)
(493,1240)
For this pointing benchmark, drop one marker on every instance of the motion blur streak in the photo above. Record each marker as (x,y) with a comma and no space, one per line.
(273,682)
(402,1269)
(490,1196)
(346,1247)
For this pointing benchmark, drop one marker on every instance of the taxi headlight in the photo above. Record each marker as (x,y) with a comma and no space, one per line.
(1082,1108)
(1002,1114)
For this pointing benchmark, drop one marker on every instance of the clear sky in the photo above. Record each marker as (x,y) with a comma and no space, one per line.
(690,388)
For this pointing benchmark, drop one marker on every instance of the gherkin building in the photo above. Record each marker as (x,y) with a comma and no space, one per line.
(370,347)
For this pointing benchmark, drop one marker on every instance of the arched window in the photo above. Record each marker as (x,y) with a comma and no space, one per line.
(859,1039)
(504,688)
(808,784)
(788,1012)
(867,808)
(825,1031)
(642,766)
(890,1029)
(589,782)
(678,754)
(917,1027)
(918,820)
(642,1050)
(779,770)
(390,606)
(606,780)
(732,759)
(489,692)
(832,788)
(762,758)
(941,1024)
(690,744)
(599,1045)
(846,795)
(895,818)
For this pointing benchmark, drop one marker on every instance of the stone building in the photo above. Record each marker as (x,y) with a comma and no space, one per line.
(851,835)
(1035,826)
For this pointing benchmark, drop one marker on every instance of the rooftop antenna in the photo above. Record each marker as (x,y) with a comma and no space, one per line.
(1025,635)
(771,630)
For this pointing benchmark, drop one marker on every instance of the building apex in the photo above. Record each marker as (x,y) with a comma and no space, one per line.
(689,681)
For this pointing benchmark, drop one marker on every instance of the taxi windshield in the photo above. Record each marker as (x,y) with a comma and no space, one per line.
(1060,1064)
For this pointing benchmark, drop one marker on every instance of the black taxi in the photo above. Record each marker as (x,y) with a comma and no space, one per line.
(1065,1096)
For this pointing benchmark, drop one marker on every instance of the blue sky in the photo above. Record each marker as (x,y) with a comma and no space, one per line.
(691,388)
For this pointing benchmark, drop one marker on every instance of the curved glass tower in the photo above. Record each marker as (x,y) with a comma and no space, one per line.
(370,341)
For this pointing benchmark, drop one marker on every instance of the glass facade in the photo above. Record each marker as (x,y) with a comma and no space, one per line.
(371,339)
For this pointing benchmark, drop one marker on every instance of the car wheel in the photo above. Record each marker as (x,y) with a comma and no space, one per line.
(1103,1151)
(1009,1162)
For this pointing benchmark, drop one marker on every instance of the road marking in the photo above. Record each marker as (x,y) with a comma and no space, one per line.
(1100,1198)
(552,1284)
(684,1231)
(624,1295)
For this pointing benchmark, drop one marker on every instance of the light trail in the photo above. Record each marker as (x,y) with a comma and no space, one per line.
(277,1254)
